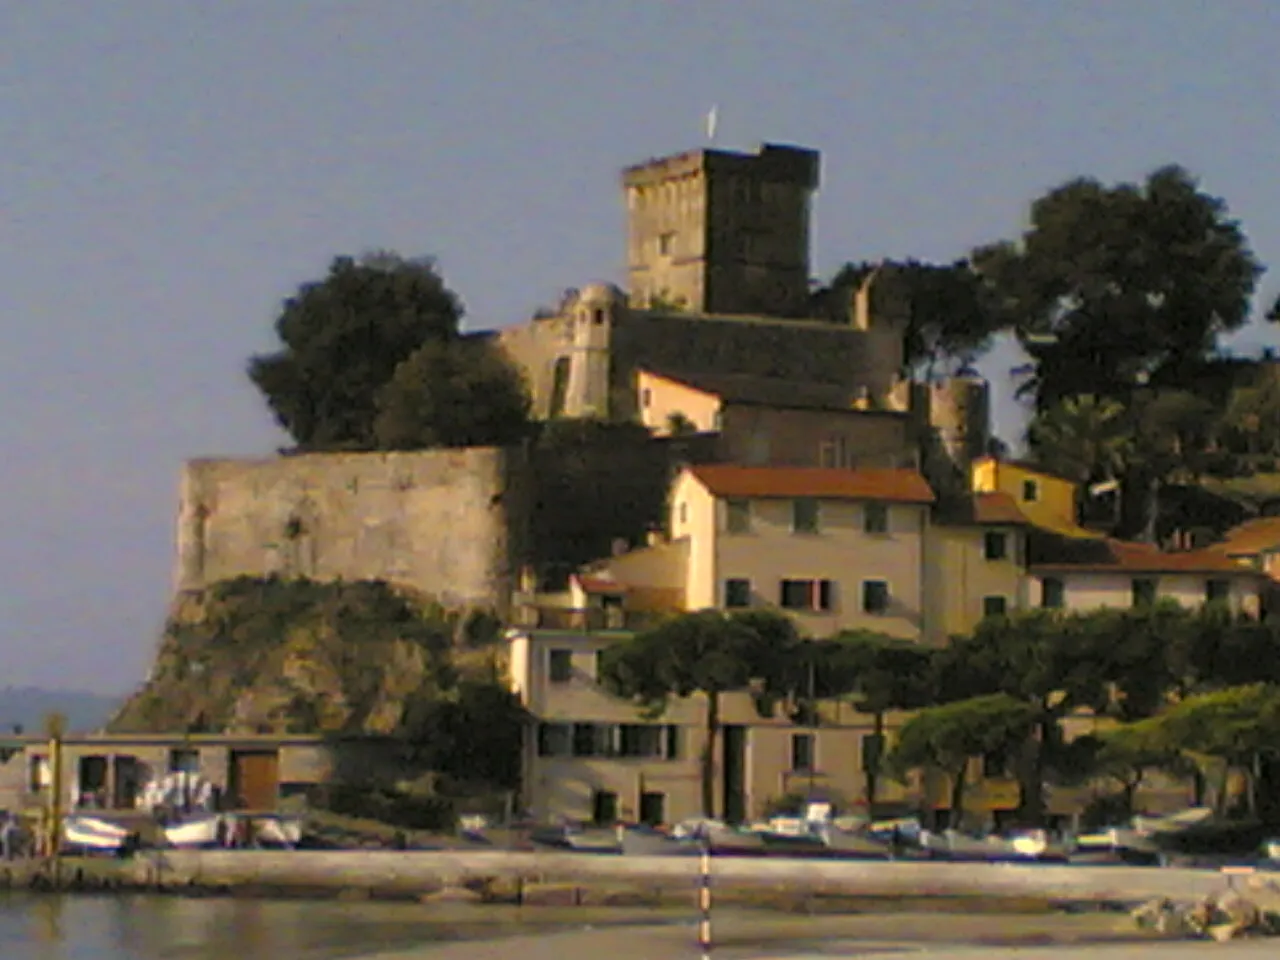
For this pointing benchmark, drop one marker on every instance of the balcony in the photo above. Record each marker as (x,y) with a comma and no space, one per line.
(589,620)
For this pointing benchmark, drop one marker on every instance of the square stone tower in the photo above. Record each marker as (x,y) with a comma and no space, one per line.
(717,231)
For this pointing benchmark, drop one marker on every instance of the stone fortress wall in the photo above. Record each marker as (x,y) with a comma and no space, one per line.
(446,522)
(461,524)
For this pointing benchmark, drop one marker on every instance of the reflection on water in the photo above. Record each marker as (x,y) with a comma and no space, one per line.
(160,928)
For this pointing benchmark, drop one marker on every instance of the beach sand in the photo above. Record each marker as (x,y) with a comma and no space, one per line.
(754,935)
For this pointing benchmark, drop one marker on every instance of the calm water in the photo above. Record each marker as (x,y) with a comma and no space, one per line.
(152,928)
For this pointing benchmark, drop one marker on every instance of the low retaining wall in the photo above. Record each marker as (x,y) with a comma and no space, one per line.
(413,870)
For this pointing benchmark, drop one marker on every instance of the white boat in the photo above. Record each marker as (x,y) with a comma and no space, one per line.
(92,833)
(1174,822)
(647,842)
(953,845)
(277,831)
(207,831)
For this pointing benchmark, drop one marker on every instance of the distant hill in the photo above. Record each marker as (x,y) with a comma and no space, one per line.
(29,706)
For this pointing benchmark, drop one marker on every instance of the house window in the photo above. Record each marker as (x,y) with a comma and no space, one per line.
(875,518)
(804,515)
(604,808)
(184,761)
(672,751)
(640,740)
(737,592)
(994,606)
(683,512)
(560,665)
(653,808)
(995,545)
(666,244)
(1053,593)
(1144,591)
(737,516)
(591,740)
(802,751)
(807,595)
(1217,591)
(875,596)
(1030,490)
(646,397)
(555,739)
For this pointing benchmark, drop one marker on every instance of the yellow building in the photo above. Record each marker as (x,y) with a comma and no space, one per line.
(835,549)
(1047,501)
(975,566)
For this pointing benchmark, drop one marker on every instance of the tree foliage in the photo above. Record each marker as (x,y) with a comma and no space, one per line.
(1113,283)
(342,339)
(371,359)
(452,393)
(948,318)
(1083,438)
(877,673)
(707,653)
(947,737)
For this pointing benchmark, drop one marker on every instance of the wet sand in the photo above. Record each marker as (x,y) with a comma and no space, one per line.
(756,935)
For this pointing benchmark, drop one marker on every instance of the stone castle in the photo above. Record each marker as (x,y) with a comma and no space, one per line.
(719,303)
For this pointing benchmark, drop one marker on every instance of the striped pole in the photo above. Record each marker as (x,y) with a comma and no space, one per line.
(704,900)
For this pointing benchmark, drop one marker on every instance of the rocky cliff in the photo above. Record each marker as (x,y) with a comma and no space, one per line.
(299,656)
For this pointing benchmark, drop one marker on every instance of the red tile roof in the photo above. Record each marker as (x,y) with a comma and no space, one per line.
(1119,556)
(997,508)
(732,480)
(1252,537)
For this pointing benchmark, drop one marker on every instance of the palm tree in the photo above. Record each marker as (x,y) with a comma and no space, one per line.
(1084,438)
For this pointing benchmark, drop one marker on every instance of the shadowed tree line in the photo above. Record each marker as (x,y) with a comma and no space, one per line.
(1195,693)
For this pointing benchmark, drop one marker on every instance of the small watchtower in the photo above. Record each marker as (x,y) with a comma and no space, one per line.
(718,231)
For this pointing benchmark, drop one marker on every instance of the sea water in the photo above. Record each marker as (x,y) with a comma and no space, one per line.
(49,927)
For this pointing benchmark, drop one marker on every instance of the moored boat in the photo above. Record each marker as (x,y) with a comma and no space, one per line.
(94,834)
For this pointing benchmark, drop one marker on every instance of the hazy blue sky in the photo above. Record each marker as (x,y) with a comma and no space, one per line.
(171,170)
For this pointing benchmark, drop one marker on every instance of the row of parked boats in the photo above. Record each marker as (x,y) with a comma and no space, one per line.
(90,834)
(1153,841)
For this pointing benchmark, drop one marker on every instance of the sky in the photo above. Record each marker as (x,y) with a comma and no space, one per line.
(171,171)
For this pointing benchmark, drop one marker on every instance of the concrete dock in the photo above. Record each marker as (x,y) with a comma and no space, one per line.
(409,870)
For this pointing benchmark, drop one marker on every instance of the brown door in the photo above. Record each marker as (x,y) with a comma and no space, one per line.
(255,779)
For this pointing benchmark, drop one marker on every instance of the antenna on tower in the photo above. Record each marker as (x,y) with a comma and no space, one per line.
(713,115)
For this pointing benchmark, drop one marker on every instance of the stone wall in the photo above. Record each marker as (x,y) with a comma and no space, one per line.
(449,523)
(457,525)
(798,350)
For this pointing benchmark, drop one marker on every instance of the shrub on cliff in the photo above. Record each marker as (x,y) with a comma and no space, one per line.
(299,656)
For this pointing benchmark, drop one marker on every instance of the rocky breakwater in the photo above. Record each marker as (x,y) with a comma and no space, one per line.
(1249,906)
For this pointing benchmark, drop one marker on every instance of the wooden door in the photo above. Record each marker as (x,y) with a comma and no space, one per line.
(254,781)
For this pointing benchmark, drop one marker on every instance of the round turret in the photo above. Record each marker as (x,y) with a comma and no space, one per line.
(600,294)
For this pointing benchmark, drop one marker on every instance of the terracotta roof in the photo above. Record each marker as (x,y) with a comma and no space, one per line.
(731,480)
(1121,556)
(998,508)
(768,391)
(1252,537)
